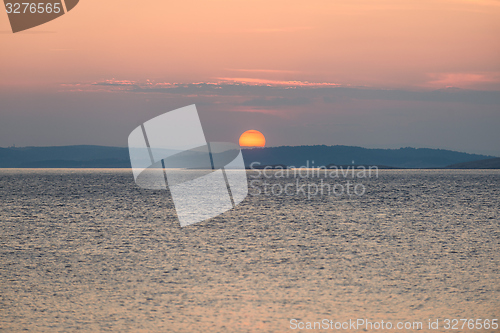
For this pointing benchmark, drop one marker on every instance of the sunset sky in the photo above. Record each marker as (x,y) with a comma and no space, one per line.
(386,73)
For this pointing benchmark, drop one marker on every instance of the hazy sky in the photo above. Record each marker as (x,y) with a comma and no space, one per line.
(386,73)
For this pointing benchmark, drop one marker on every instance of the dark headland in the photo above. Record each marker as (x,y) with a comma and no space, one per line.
(491,163)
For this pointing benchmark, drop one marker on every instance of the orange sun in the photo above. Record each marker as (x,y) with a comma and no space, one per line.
(252,138)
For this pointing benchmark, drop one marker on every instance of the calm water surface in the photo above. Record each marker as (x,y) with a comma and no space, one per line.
(89,251)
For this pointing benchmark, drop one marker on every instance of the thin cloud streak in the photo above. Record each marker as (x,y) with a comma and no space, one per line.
(463,80)
(284,29)
(278,71)
(283,93)
(264,82)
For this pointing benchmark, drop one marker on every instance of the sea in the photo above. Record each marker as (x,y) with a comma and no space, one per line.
(87,250)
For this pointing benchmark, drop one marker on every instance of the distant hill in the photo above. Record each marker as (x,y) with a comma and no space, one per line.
(345,155)
(65,157)
(117,157)
(491,163)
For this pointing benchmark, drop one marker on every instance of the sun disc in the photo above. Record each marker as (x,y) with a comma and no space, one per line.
(252,138)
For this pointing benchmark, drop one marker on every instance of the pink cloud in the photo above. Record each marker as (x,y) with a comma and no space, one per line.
(463,80)
(265,82)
